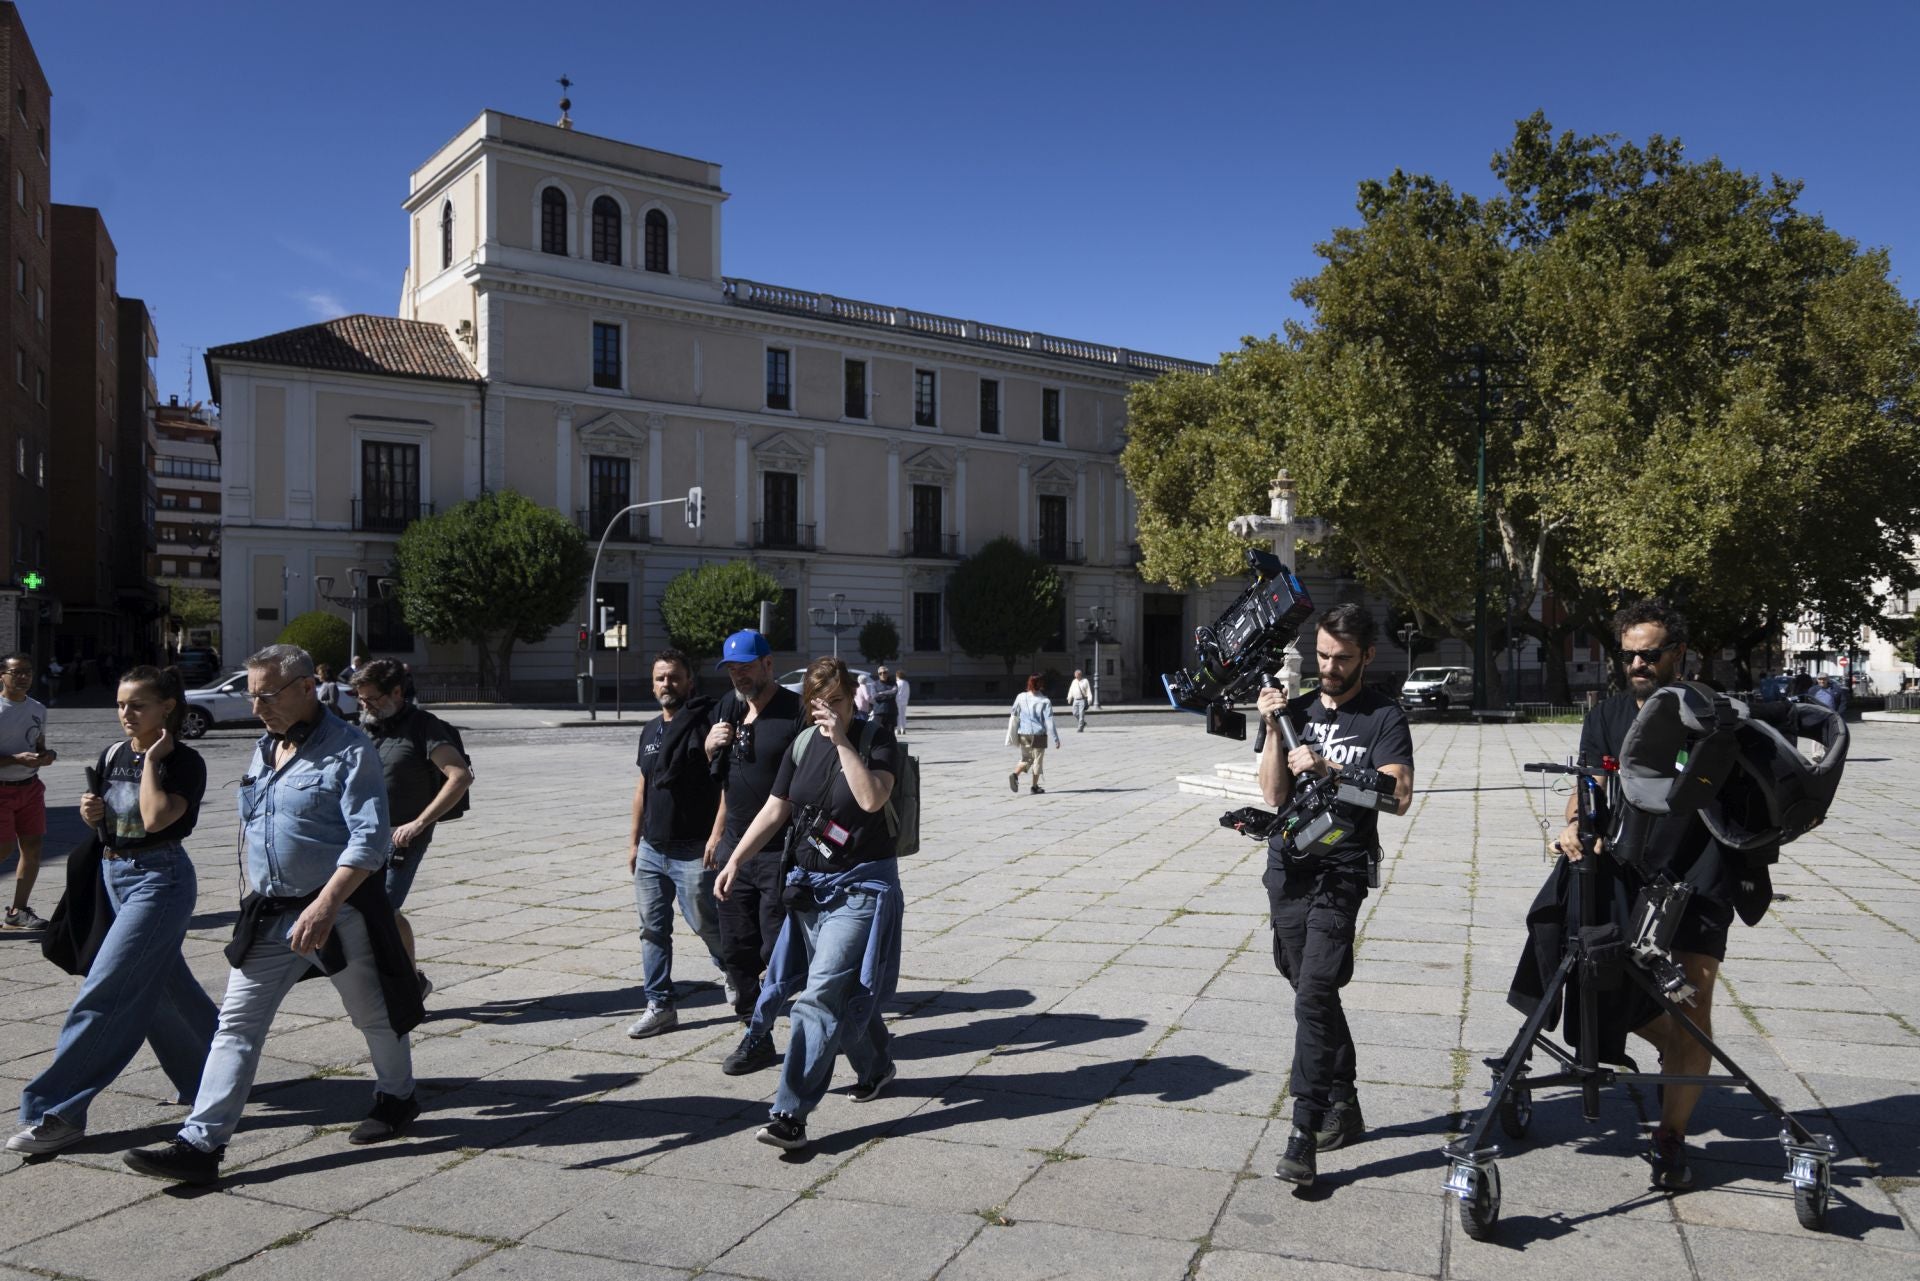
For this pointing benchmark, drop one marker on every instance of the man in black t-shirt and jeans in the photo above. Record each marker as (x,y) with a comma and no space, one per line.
(1653,643)
(1315,901)
(753,731)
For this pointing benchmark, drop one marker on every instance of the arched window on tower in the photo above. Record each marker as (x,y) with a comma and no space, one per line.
(656,241)
(553,221)
(446,235)
(606,230)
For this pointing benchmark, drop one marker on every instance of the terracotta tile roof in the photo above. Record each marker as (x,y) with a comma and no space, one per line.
(360,344)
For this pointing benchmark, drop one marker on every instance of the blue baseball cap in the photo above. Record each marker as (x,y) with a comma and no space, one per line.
(743,647)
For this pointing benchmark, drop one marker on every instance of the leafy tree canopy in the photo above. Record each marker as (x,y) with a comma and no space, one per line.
(194,606)
(1003,601)
(325,636)
(704,606)
(879,639)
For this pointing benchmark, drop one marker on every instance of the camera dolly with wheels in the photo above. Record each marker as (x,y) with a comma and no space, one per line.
(1595,950)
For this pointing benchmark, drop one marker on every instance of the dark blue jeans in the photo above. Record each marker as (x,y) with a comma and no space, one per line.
(139,989)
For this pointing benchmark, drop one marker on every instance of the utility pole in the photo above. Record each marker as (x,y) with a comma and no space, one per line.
(1480,414)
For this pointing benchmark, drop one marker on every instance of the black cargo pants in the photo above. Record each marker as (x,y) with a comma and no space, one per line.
(750,920)
(1314,912)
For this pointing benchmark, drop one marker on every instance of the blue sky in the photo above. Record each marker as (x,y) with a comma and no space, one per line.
(1150,175)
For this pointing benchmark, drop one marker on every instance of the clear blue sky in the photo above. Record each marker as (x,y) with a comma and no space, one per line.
(1150,175)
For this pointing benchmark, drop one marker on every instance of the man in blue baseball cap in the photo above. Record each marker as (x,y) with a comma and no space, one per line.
(754,727)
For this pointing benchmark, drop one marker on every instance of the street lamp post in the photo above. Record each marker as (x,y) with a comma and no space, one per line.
(354,601)
(1096,627)
(828,620)
(696,508)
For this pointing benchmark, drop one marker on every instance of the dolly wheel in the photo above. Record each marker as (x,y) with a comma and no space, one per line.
(1516,1112)
(1480,1213)
(1810,1201)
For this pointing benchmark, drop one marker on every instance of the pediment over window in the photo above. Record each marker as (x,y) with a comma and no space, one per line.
(611,434)
(781,452)
(1054,478)
(930,467)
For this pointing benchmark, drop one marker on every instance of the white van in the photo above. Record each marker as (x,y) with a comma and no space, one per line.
(1437,688)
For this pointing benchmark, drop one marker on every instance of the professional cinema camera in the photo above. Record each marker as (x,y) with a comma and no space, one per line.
(1243,645)
(1320,812)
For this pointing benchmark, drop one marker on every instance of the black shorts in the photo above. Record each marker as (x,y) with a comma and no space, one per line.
(1703,928)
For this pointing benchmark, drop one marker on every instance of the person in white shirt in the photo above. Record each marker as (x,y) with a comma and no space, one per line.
(23,797)
(1080,698)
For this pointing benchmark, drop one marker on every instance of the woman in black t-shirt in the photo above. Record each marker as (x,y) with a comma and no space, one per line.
(840,945)
(145,800)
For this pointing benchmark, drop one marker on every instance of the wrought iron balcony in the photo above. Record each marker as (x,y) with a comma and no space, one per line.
(1059,551)
(630,528)
(930,543)
(387,515)
(783,535)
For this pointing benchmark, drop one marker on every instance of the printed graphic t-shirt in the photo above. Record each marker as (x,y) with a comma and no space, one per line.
(183,773)
(23,724)
(1365,732)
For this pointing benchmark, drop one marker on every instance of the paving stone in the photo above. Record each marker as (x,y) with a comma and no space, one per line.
(530,1263)
(1343,1225)
(827,1240)
(1241,1265)
(170,1237)
(365,1252)
(674,1222)
(40,1198)
(1051,1252)
(497,1197)
(1124,1196)
(933,1175)
(1169,1136)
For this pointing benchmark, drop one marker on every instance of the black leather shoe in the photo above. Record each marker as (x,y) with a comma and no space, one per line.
(1342,1125)
(177,1160)
(752,1054)
(1297,1162)
(388,1120)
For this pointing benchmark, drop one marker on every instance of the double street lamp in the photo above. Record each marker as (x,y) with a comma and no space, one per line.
(828,619)
(1097,626)
(354,601)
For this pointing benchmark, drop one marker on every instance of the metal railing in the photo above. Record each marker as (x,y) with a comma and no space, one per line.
(631,528)
(1059,551)
(786,535)
(764,297)
(387,516)
(930,542)
(185,469)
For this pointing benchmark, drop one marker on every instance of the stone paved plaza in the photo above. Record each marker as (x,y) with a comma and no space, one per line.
(1093,1048)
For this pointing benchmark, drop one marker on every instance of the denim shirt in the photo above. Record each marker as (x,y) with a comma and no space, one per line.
(324,809)
(1033,714)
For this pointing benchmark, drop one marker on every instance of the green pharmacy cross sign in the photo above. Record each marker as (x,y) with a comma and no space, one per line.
(32,581)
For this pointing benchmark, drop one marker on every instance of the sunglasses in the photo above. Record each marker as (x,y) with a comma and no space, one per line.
(267,696)
(1647,656)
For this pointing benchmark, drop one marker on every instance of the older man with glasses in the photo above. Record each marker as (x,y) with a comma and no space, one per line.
(313,811)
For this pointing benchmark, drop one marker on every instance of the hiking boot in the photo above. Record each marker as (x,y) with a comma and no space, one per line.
(868,1092)
(388,1120)
(178,1160)
(1038,790)
(659,1018)
(754,1052)
(1297,1162)
(24,918)
(1669,1160)
(46,1138)
(784,1132)
(1342,1124)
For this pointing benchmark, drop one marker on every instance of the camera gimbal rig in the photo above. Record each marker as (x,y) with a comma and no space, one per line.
(1321,810)
(1592,953)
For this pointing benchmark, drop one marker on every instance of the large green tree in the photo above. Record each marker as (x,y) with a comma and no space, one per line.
(1685,385)
(1003,601)
(702,607)
(495,571)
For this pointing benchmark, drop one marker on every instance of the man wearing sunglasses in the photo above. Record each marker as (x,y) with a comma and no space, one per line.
(754,727)
(313,814)
(1653,644)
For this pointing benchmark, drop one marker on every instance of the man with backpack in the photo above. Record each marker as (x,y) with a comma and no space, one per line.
(427,774)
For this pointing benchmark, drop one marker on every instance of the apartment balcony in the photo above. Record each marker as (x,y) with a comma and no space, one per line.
(1059,551)
(185,469)
(631,528)
(930,544)
(782,536)
(387,515)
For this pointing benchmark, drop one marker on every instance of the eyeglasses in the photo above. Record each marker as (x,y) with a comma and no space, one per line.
(1647,656)
(269,695)
(16,676)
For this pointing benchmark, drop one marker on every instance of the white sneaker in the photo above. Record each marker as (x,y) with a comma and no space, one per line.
(51,1135)
(658,1018)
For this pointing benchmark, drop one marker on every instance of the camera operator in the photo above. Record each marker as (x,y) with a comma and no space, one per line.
(1653,641)
(1316,900)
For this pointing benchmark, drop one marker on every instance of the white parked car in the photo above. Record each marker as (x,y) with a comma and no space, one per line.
(1437,688)
(225,702)
(793,679)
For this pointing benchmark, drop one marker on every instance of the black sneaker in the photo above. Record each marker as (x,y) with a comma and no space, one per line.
(754,1052)
(1668,1158)
(178,1160)
(867,1092)
(1297,1162)
(388,1120)
(784,1132)
(1038,790)
(1342,1124)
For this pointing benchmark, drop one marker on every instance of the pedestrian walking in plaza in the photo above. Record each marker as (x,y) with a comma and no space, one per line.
(1080,698)
(840,946)
(1314,898)
(313,814)
(23,797)
(674,805)
(887,697)
(1030,725)
(426,773)
(753,728)
(137,985)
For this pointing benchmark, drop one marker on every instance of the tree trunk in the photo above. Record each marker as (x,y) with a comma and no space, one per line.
(503,670)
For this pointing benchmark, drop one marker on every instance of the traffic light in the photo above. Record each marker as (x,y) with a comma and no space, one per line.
(696,507)
(583,636)
(606,619)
